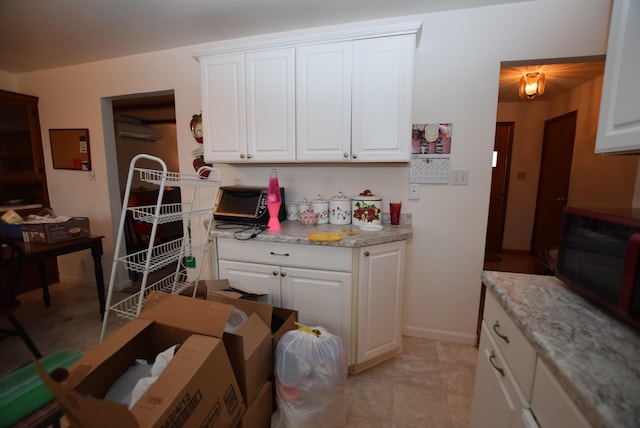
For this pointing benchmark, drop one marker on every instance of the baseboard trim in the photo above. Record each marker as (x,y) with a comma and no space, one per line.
(445,336)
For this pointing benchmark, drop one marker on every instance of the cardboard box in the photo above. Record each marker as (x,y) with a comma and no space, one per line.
(282,320)
(258,415)
(51,233)
(250,346)
(196,389)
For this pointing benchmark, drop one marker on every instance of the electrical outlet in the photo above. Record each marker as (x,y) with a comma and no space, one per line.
(459,177)
(414,191)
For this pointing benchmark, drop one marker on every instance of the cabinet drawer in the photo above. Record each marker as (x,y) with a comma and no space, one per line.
(283,254)
(497,399)
(518,353)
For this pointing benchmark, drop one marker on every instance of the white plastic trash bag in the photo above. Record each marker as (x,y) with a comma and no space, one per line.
(311,380)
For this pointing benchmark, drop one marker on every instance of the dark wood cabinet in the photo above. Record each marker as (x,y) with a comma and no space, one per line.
(23,181)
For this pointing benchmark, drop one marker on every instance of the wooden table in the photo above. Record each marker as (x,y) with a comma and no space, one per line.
(40,252)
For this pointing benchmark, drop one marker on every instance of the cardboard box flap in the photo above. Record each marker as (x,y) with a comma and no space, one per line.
(196,315)
(263,310)
(87,412)
(253,330)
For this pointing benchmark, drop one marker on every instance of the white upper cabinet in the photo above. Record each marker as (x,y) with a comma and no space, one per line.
(329,97)
(223,106)
(382,99)
(248,106)
(619,122)
(323,102)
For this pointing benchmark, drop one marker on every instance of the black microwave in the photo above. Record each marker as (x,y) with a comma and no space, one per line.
(599,257)
(245,205)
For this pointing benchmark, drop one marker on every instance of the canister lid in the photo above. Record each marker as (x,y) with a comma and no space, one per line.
(319,200)
(339,197)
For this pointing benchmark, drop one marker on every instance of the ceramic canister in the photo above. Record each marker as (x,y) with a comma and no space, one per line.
(292,211)
(321,206)
(304,206)
(340,209)
(366,209)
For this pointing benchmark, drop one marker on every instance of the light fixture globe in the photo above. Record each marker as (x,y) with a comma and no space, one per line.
(531,85)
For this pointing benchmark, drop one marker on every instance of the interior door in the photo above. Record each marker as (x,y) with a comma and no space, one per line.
(499,187)
(553,184)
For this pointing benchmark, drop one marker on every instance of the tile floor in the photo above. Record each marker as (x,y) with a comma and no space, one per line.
(429,385)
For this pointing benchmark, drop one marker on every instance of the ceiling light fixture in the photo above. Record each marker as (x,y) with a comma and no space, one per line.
(531,85)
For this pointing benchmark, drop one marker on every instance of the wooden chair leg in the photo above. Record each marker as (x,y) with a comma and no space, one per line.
(25,337)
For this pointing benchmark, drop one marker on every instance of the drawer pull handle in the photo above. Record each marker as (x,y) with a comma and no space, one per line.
(496,326)
(493,364)
(366,254)
(279,254)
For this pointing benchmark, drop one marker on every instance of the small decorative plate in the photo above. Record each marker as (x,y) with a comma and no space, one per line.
(324,236)
(370,226)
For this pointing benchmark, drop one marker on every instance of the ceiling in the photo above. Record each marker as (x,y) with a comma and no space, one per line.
(42,34)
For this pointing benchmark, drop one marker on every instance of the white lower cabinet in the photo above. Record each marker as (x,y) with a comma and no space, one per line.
(380,280)
(497,399)
(551,404)
(353,293)
(513,387)
(322,298)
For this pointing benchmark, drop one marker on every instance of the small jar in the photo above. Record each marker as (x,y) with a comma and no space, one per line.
(321,206)
(340,209)
(303,207)
(292,211)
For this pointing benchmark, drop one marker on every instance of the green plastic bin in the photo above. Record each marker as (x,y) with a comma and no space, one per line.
(23,392)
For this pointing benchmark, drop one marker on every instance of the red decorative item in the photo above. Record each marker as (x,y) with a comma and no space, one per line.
(196,127)
(199,162)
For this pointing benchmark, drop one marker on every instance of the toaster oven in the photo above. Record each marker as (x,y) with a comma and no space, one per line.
(245,205)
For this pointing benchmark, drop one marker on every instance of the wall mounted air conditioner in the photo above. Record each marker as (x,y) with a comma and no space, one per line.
(140,132)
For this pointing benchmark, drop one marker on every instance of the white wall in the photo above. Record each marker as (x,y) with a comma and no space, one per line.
(457,70)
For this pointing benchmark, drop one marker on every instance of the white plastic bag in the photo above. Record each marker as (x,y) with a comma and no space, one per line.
(311,380)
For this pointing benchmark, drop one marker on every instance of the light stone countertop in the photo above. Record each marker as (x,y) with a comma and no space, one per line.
(593,356)
(293,232)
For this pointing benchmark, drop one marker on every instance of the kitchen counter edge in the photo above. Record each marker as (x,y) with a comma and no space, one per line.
(295,233)
(592,355)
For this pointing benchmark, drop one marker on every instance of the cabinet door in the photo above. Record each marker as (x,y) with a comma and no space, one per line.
(382,99)
(495,402)
(270,102)
(252,278)
(380,287)
(223,108)
(619,122)
(322,298)
(323,102)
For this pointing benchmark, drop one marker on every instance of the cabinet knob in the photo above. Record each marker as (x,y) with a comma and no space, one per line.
(241,155)
(345,154)
(492,357)
(366,254)
(496,326)
(354,156)
(283,274)
(249,156)
(275,273)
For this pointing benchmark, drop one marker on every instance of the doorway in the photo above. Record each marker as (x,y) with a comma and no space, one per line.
(152,116)
(553,184)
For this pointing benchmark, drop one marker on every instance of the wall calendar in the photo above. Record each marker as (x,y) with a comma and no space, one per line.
(430,153)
